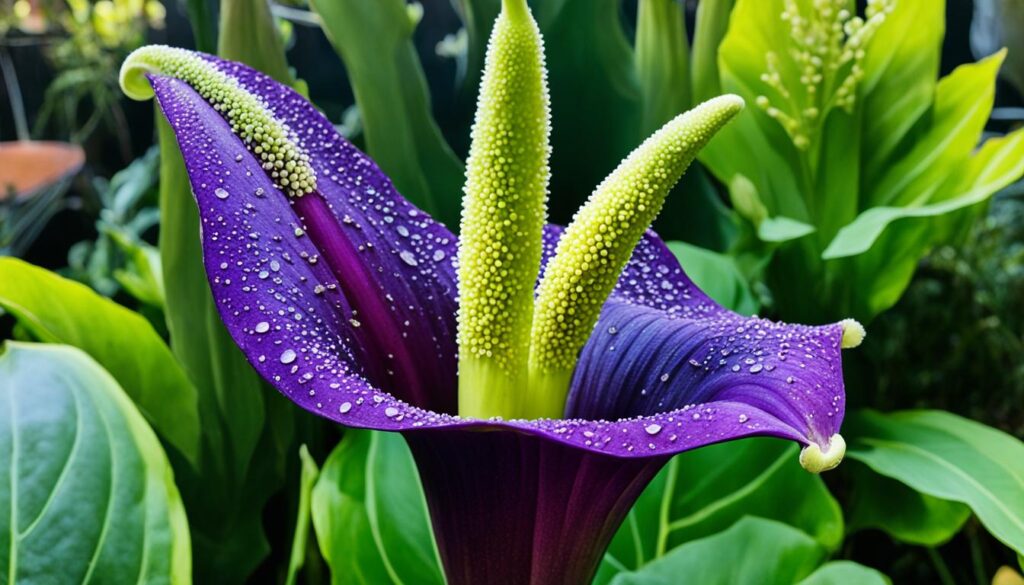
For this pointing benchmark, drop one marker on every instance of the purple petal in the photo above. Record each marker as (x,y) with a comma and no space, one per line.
(371,275)
(661,344)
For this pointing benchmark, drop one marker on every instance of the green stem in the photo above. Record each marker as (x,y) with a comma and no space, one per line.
(202,25)
(941,569)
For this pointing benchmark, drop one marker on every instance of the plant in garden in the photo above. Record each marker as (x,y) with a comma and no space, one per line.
(856,161)
(336,289)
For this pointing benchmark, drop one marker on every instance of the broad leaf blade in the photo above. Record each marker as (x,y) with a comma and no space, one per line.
(90,492)
(704,491)
(718,276)
(948,457)
(370,514)
(754,551)
(907,515)
(56,310)
(901,65)
(963,101)
(845,573)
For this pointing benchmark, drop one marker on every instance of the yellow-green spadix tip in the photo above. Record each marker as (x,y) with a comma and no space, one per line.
(266,137)
(816,460)
(853,333)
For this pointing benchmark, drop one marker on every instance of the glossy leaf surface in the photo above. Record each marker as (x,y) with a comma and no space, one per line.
(89,495)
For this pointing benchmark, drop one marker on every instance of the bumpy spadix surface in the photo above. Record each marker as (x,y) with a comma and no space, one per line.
(250,118)
(344,300)
(503,215)
(599,241)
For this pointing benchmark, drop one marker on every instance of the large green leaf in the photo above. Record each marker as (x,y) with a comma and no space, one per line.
(963,101)
(56,310)
(898,237)
(704,491)
(754,551)
(900,66)
(909,516)
(948,457)
(999,163)
(88,496)
(845,573)
(374,39)
(370,514)
(717,275)
(754,145)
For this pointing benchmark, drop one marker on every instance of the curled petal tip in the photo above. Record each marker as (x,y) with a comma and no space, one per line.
(134,70)
(816,460)
(853,333)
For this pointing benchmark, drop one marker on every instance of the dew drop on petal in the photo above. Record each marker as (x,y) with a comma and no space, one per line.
(345,407)
(262,327)
(288,356)
(221,193)
(653,429)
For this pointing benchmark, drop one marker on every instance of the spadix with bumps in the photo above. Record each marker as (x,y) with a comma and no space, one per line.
(503,216)
(517,354)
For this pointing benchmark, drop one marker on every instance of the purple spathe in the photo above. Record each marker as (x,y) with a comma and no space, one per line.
(344,300)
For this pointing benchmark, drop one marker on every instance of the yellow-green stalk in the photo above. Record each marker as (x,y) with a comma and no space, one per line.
(597,244)
(502,218)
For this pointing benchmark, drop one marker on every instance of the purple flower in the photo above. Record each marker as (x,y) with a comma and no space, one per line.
(343,296)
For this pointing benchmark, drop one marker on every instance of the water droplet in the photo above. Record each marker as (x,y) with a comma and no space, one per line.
(743,418)
(756,368)
(220,193)
(345,407)
(408,257)
(439,255)
(653,429)
(390,412)
(288,356)
(262,327)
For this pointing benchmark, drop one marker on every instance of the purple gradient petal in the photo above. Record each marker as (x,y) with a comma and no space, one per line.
(368,268)
(661,344)
(361,300)
(305,340)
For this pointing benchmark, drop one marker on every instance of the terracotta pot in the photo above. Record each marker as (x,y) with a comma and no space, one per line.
(33,178)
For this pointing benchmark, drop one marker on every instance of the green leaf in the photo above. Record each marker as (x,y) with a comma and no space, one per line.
(89,496)
(845,573)
(755,145)
(900,67)
(999,162)
(56,310)
(662,61)
(948,457)
(370,514)
(717,275)
(712,23)
(963,101)
(704,491)
(781,229)
(909,516)
(310,473)
(240,415)
(754,550)
(242,21)
(374,39)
